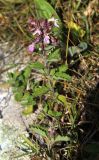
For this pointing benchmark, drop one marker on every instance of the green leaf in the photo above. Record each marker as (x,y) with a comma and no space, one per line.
(62,76)
(83,46)
(18,96)
(54,56)
(45,108)
(37,66)
(62,99)
(54,113)
(73,50)
(28,110)
(40,91)
(62,138)
(49,48)
(20,80)
(52,72)
(39,131)
(27,72)
(63,68)
(30,144)
(12,77)
(27,99)
(45,10)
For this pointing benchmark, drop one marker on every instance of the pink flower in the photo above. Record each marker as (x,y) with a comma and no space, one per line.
(31,21)
(55,21)
(31,47)
(37,32)
(46,39)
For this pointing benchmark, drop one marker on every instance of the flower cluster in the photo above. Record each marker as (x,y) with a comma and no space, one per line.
(41,31)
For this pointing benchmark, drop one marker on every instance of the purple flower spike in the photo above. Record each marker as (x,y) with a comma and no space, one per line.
(46,39)
(42,33)
(31,47)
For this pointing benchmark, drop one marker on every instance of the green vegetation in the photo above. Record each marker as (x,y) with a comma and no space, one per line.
(60,86)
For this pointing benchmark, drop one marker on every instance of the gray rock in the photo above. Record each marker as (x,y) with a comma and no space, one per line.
(12,124)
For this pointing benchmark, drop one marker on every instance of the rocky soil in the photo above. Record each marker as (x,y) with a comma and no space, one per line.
(12,124)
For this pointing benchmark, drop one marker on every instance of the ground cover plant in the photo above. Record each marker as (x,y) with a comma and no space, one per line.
(60,82)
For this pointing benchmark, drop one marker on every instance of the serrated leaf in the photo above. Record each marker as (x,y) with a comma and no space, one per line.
(37,66)
(39,131)
(54,56)
(62,76)
(63,68)
(40,91)
(62,138)
(28,110)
